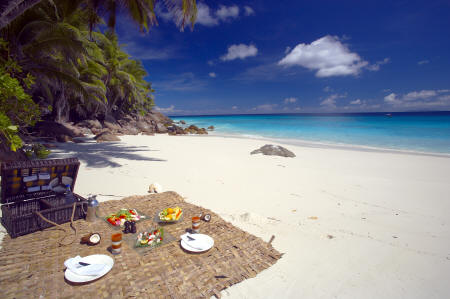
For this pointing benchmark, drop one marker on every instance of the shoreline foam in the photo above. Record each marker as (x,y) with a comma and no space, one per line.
(331,145)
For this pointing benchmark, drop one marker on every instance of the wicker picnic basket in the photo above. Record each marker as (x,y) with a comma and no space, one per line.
(28,202)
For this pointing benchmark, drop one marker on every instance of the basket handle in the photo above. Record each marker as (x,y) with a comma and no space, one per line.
(60,242)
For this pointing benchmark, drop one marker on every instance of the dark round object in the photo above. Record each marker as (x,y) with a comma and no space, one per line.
(133,227)
(207,217)
(127,227)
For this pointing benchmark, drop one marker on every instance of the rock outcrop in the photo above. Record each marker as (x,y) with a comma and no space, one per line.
(273,150)
(106,137)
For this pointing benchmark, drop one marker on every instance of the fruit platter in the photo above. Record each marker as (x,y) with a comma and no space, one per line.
(170,215)
(151,238)
(118,219)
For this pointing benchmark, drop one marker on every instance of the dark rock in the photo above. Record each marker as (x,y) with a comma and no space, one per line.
(97,131)
(182,122)
(158,117)
(106,137)
(62,132)
(129,130)
(63,138)
(91,124)
(52,129)
(144,126)
(202,131)
(148,133)
(49,145)
(112,126)
(179,130)
(211,128)
(274,150)
(109,118)
(76,131)
(78,140)
(86,131)
(160,128)
(175,130)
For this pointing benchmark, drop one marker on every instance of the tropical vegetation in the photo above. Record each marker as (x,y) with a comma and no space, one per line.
(58,61)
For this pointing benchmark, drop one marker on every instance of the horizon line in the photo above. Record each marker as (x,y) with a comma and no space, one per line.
(312,113)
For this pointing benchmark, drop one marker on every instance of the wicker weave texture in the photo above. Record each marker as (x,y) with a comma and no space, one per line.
(32,266)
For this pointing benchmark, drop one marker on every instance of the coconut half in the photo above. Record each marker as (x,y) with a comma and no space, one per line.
(91,239)
(94,239)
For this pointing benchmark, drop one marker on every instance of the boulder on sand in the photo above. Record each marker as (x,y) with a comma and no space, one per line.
(106,137)
(274,150)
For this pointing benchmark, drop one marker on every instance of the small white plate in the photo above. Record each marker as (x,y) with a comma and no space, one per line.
(91,259)
(204,238)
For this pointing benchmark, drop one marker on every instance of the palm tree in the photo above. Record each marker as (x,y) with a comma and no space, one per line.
(142,11)
(47,44)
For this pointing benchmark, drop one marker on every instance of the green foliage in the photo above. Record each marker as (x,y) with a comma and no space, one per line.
(17,108)
(38,151)
(9,132)
(54,59)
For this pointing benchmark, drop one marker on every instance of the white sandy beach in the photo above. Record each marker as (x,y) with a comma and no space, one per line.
(352,224)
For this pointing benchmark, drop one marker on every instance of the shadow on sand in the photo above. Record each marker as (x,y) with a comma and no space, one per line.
(101,155)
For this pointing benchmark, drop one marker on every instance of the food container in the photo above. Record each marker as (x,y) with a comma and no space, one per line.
(28,199)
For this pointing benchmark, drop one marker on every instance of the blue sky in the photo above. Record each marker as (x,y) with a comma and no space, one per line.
(298,56)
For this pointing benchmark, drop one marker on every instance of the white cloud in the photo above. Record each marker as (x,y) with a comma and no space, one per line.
(415,95)
(212,75)
(290,100)
(204,16)
(234,107)
(265,107)
(165,110)
(240,51)
(424,99)
(224,13)
(356,102)
(207,17)
(248,11)
(392,99)
(376,66)
(423,62)
(330,102)
(327,55)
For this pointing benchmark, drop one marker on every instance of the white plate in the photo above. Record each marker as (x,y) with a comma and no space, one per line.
(204,238)
(91,259)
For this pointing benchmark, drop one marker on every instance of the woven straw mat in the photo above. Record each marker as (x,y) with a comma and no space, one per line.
(31,266)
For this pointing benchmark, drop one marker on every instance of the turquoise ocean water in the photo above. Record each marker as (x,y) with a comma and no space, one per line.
(419,132)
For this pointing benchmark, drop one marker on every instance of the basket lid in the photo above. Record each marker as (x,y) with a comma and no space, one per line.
(22,180)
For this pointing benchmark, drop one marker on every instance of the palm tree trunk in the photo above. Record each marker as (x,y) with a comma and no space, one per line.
(14,8)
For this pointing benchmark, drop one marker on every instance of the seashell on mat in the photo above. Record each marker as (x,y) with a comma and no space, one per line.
(155,188)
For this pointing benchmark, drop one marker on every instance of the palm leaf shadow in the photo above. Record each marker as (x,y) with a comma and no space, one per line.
(100,155)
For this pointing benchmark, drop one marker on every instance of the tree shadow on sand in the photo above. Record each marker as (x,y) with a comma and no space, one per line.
(101,155)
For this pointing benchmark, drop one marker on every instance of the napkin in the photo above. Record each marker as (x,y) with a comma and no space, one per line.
(73,264)
(198,243)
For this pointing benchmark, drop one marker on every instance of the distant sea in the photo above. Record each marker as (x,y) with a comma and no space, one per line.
(425,132)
